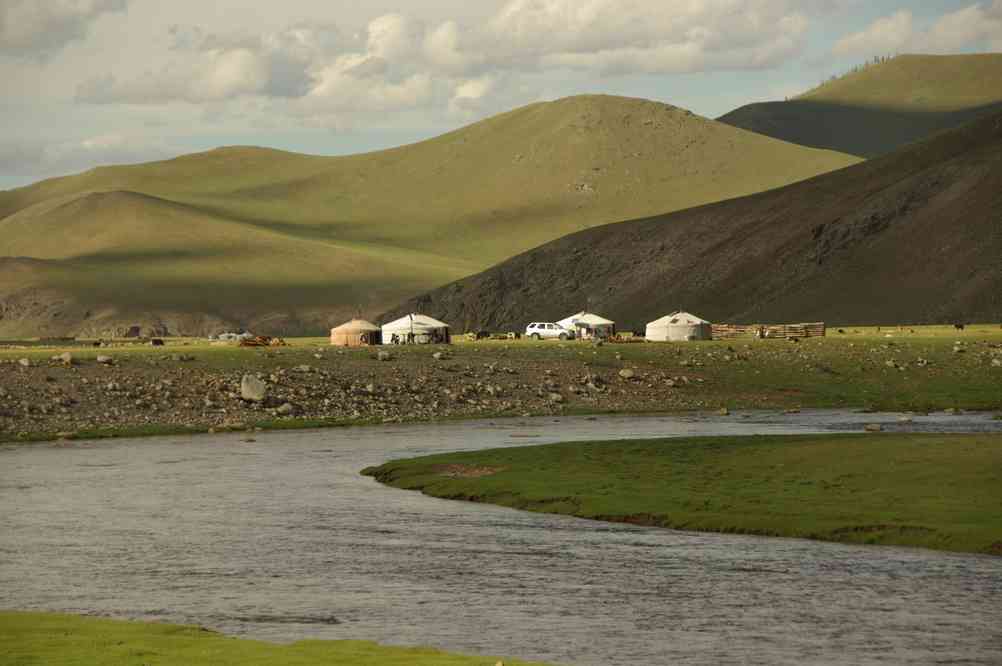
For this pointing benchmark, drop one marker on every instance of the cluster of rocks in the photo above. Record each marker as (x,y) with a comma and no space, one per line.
(74,395)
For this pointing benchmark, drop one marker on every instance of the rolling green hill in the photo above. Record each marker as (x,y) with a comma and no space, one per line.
(289,243)
(882,107)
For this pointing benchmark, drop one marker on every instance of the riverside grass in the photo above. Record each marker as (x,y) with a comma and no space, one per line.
(935,491)
(50,639)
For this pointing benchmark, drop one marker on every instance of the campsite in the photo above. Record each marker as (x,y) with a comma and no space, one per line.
(193,385)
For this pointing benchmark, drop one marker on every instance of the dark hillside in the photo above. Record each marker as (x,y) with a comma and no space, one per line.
(883,107)
(915,236)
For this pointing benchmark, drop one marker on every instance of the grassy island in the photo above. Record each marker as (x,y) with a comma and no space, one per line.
(926,490)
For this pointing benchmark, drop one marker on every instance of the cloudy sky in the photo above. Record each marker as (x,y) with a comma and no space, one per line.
(90,82)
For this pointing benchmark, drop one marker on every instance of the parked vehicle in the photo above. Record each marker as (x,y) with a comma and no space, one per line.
(548,331)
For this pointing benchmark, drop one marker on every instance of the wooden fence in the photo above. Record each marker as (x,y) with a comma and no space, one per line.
(728,331)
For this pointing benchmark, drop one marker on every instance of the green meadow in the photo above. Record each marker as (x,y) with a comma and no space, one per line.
(48,639)
(925,490)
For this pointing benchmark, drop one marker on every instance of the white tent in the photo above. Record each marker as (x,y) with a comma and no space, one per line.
(588,325)
(679,326)
(416,329)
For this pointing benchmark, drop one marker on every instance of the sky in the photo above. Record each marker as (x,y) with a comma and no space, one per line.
(93,82)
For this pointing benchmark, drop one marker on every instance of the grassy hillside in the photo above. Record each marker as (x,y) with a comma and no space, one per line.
(927,490)
(285,242)
(883,107)
(912,237)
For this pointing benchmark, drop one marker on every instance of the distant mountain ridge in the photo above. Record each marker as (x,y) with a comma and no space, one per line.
(286,243)
(882,107)
(912,237)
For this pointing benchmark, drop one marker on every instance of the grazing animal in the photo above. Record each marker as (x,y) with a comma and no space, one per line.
(483,335)
(959,327)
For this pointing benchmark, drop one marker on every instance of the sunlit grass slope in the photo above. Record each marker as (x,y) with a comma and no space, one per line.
(248,234)
(882,107)
(67,640)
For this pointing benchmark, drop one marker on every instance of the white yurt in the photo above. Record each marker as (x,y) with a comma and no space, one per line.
(355,333)
(679,327)
(416,329)
(587,325)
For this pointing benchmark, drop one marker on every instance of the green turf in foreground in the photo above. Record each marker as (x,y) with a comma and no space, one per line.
(55,640)
(924,490)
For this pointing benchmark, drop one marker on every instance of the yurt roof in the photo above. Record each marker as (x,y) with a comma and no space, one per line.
(355,325)
(587,318)
(416,321)
(678,318)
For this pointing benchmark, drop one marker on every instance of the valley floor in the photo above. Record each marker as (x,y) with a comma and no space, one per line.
(191,386)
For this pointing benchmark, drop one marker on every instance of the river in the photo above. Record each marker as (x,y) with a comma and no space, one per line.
(281,539)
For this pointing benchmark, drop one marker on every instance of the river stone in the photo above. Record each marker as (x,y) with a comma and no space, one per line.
(24,362)
(626,373)
(65,358)
(252,389)
(286,409)
(384,356)
(874,427)
(105,360)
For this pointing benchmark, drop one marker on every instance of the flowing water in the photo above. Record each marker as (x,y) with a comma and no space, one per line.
(281,539)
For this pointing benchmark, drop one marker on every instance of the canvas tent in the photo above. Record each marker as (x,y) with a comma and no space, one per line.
(356,333)
(416,329)
(679,326)
(589,325)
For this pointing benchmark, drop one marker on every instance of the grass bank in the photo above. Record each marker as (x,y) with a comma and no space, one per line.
(57,640)
(932,491)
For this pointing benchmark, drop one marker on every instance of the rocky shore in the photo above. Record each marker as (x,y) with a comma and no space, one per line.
(67,395)
(83,391)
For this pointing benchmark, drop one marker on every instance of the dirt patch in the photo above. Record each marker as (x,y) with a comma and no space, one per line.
(460,471)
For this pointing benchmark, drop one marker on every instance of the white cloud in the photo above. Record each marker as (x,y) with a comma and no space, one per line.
(629,36)
(36,29)
(470,96)
(978,26)
(399,61)
(207,68)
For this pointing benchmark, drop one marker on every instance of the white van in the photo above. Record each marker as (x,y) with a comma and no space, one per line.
(548,331)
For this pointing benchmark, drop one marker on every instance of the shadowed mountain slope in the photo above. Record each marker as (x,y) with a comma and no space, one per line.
(912,237)
(883,107)
(282,242)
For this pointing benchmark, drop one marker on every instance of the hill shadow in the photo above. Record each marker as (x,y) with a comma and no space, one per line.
(862,131)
